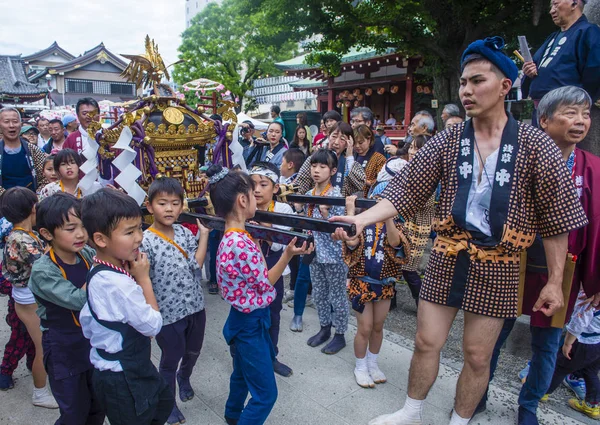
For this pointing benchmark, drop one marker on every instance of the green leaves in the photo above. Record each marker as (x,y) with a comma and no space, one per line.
(232,47)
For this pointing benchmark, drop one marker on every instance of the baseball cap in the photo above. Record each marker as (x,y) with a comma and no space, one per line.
(26,128)
(67,119)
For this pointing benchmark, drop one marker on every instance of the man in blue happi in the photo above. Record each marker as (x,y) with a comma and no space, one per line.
(569,57)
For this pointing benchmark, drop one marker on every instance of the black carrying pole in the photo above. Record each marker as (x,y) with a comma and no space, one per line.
(336,201)
(269,234)
(302,222)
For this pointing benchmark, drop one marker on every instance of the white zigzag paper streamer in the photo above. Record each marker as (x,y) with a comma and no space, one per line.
(129,172)
(90,166)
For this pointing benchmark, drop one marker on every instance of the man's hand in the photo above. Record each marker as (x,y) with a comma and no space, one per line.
(340,234)
(550,300)
(139,268)
(530,69)
(593,302)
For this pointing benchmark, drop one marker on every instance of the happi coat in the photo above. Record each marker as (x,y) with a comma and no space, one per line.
(531,193)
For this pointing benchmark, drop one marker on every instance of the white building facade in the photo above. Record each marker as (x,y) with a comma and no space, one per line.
(193,7)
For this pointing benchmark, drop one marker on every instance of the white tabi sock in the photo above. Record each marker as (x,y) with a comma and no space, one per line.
(457,420)
(413,409)
(361,364)
(371,358)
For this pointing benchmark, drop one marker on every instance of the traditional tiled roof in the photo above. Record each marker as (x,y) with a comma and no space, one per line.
(100,52)
(53,48)
(13,80)
(353,55)
(33,76)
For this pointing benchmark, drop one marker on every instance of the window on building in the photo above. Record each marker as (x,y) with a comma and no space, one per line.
(79,86)
(119,88)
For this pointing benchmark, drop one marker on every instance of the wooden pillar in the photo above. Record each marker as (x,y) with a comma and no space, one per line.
(408,95)
(330,94)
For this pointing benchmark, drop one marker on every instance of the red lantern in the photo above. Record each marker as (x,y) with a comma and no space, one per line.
(350,97)
(394,89)
(348,104)
(356,92)
(339,105)
(369,91)
(356,103)
(341,96)
(381,90)
(426,90)
(360,97)
(419,89)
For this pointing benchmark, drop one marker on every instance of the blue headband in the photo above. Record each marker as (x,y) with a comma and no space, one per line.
(491,49)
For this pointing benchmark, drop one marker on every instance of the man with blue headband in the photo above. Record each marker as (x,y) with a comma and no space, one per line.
(502,182)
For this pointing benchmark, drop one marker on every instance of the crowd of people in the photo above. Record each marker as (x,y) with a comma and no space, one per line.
(513,211)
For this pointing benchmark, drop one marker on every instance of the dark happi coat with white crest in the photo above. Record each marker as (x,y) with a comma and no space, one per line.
(531,193)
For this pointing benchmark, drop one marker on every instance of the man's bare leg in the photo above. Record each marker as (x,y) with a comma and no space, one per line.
(479,337)
(433,325)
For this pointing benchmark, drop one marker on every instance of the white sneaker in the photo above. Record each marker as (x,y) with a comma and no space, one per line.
(288,296)
(396,418)
(363,379)
(376,374)
(42,397)
(309,302)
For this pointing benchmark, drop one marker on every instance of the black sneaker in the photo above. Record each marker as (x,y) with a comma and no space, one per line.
(213,288)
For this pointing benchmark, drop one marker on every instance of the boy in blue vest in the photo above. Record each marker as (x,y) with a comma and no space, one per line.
(58,283)
(121,314)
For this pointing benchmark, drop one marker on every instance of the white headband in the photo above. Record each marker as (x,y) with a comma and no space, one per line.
(262,171)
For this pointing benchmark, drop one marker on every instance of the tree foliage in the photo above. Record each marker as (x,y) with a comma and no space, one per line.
(221,45)
(438,30)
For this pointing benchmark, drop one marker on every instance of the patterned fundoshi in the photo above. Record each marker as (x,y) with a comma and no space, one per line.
(160,134)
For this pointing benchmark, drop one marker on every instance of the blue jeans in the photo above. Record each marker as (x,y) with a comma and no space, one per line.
(301,288)
(545,343)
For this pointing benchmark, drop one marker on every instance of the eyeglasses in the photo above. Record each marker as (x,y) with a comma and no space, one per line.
(357,121)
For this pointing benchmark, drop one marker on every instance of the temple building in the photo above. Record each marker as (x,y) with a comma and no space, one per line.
(388,83)
(96,74)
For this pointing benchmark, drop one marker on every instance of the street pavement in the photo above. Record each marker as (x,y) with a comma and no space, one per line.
(322,390)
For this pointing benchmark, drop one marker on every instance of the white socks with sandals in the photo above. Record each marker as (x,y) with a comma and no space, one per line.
(367,372)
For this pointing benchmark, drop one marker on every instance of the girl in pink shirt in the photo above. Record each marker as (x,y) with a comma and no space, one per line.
(246,284)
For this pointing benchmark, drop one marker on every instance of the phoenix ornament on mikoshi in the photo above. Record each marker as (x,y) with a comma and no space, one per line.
(160,134)
(148,68)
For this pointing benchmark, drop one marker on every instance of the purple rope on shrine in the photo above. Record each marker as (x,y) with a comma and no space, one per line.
(144,150)
(222,147)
